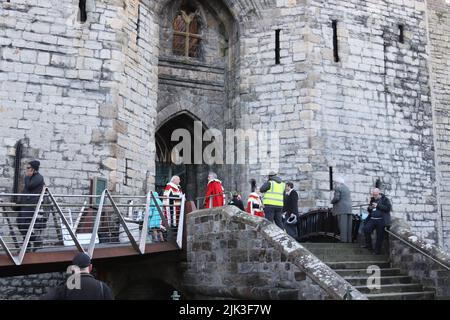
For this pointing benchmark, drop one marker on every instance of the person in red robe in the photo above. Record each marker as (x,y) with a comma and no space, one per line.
(254,202)
(172,201)
(215,194)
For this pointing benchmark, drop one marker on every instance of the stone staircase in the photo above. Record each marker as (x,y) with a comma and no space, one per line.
(351,262)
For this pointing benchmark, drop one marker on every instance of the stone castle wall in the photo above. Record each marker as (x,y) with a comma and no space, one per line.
(439,37)
(375,114)
(84,97)
(31,287)
(232,255)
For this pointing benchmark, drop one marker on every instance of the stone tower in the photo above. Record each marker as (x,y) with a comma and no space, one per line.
(96,88)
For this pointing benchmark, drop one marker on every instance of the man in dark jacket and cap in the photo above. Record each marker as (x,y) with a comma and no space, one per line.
(81,285)
(33,185)
(273,190)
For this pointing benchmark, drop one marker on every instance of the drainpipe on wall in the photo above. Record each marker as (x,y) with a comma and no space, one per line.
(17,165)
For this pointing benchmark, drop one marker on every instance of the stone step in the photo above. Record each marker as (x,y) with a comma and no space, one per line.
(324,245)
(424,295)
(392,288)
(357,264)
(343,251)
(363,272)
(362,281)
(361,257)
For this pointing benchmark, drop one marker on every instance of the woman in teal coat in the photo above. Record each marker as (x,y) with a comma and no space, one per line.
(154,219)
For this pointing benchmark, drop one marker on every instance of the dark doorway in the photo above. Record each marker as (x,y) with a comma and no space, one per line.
(193,176)
(153,289)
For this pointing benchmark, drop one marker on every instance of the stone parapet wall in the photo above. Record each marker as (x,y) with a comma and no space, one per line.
(409,253)
(439,47)
(85,97)
(31,287)
(233,255)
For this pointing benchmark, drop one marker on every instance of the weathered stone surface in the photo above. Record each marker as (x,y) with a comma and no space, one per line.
(281,268)
(85,92)
(423,261)
(30,287)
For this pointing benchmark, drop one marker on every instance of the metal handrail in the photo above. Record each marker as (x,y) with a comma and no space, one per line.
(66,228)
(181,223)
(360,205)
(225,193)
(417,249)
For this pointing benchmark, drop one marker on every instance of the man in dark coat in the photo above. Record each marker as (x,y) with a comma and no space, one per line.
(290,209)
(86,287)
(379,217)
(33,184)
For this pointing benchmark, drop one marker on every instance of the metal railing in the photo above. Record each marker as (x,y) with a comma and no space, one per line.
(319,222)
(51,222)
(200,204)
(404,241)
(417,249)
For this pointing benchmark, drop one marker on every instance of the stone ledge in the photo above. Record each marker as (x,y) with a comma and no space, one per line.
(333,284)
(402,229)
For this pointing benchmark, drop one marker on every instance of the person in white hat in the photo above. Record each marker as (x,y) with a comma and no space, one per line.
(342,208)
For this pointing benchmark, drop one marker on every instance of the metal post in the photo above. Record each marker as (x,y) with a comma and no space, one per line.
(80,215)
(144,230)
(181,223)
(130,209)
(3,244)
(96,224)
(124,224)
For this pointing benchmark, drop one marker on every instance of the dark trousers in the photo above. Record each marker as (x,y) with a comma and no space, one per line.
(369,226)
(345,227)
(291,229)
(355,227)
(274,214)
(23,224)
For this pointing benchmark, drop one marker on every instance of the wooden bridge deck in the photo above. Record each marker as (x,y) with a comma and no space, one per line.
(58,259)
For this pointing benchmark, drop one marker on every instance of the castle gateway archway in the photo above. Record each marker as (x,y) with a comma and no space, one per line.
(193,176)
(197,68)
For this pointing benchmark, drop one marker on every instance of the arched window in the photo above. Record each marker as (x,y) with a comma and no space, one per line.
(186,33)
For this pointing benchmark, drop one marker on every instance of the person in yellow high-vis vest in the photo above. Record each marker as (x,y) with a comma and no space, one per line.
(273,190)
